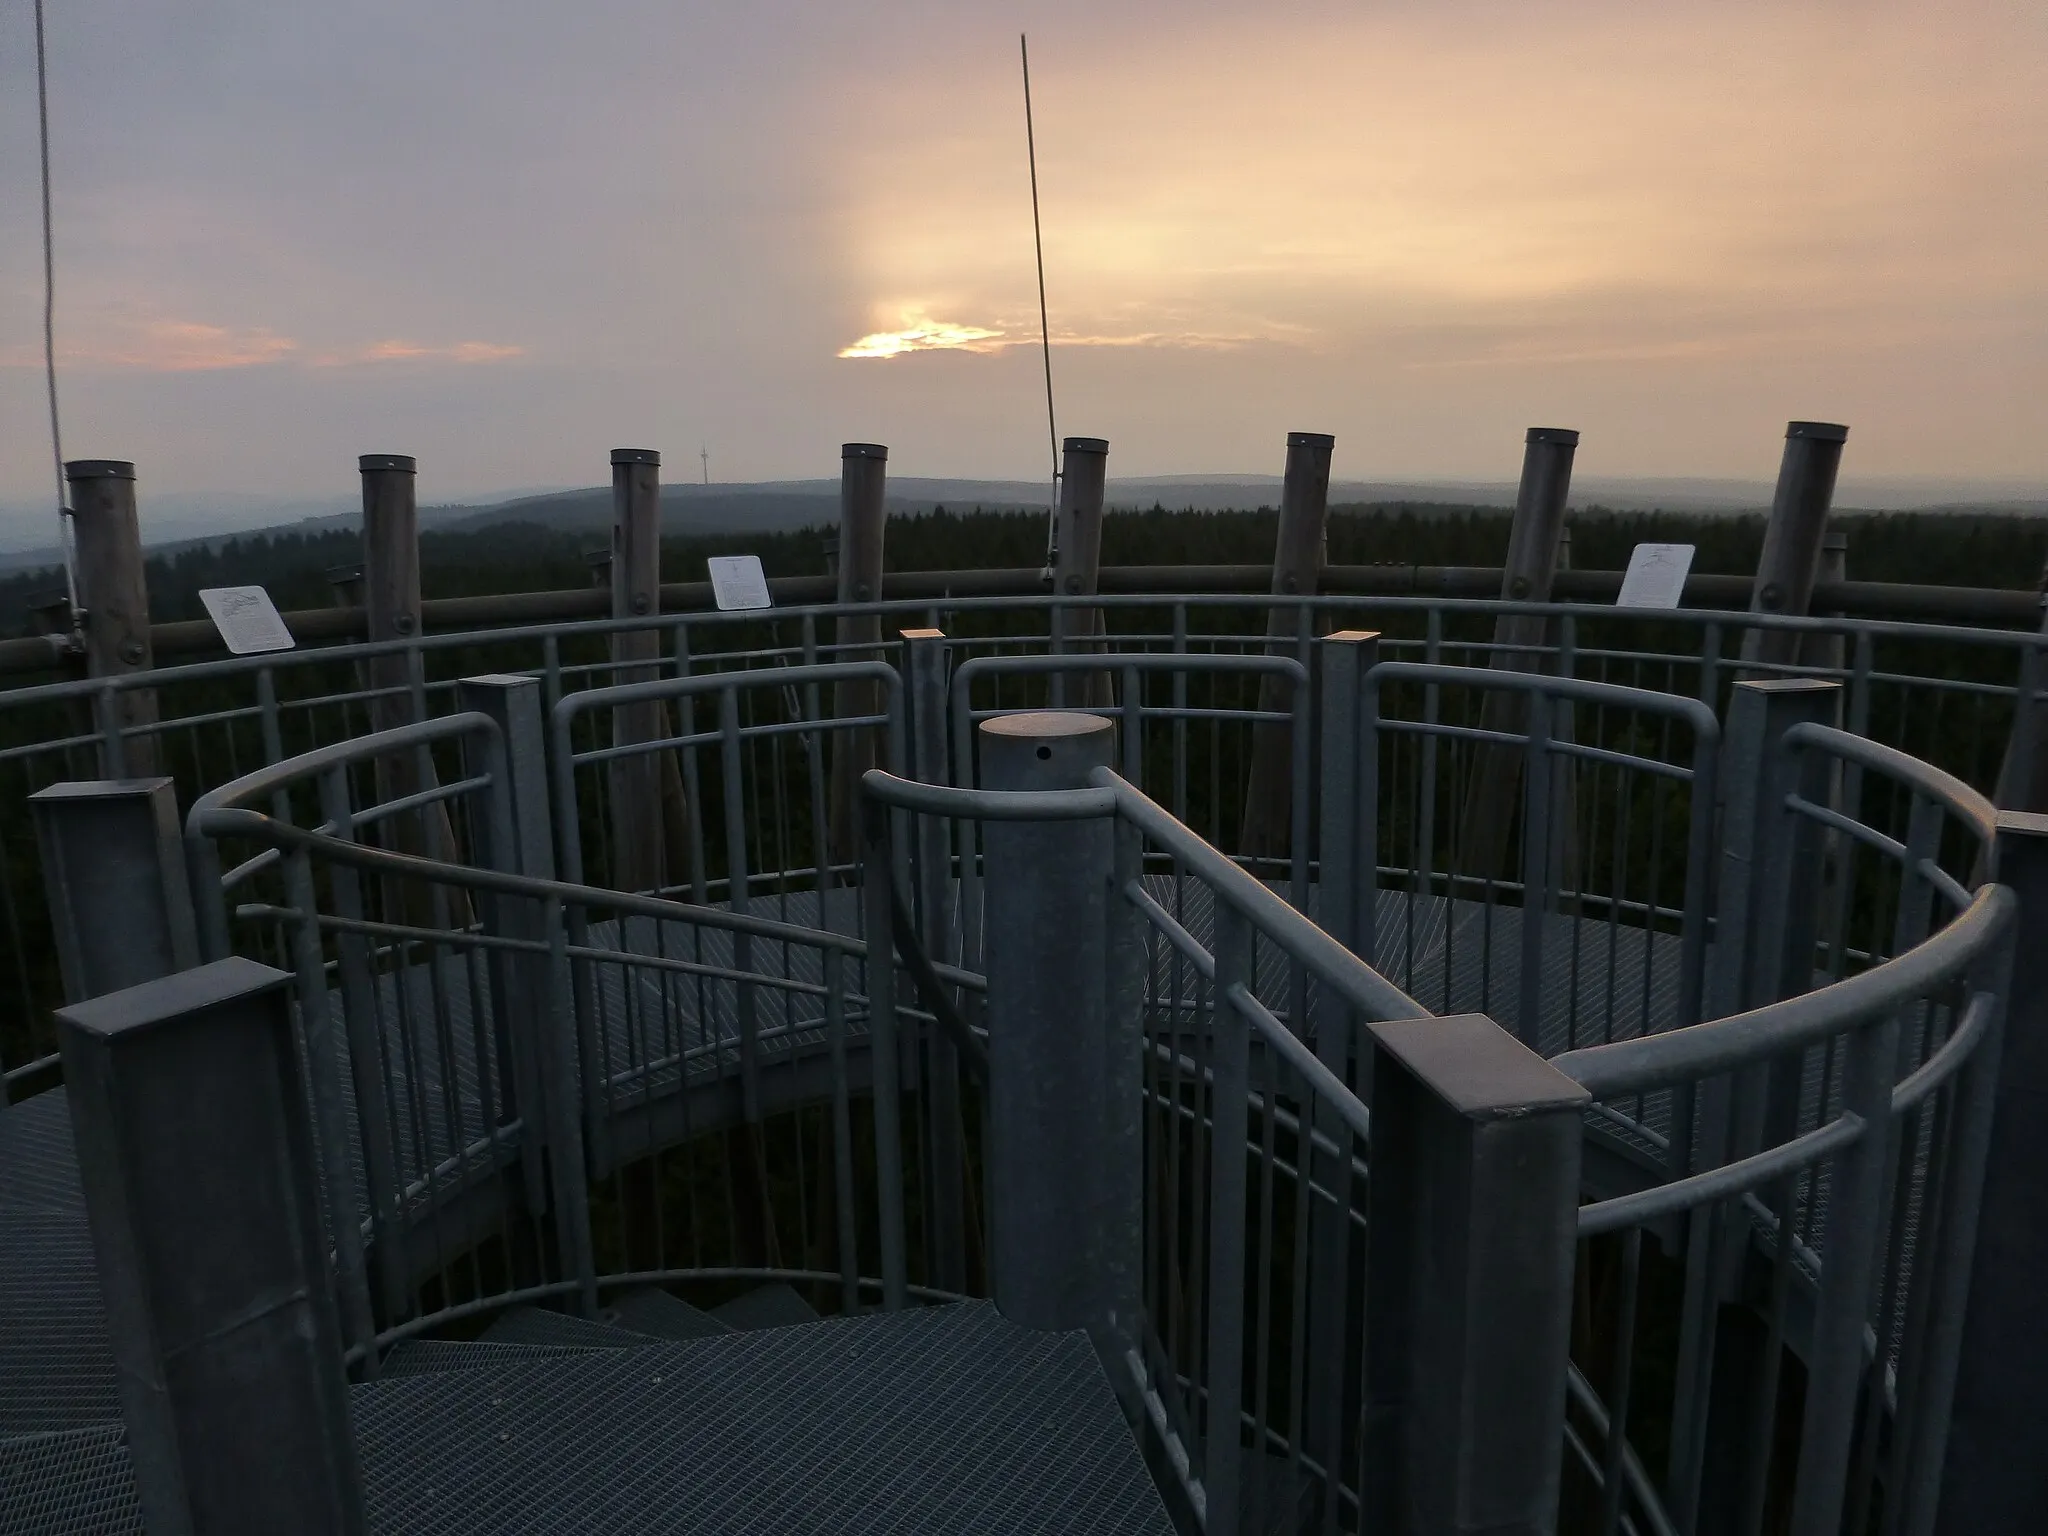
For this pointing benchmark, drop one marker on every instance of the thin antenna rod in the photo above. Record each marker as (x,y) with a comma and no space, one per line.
(50,321)
(1052,430)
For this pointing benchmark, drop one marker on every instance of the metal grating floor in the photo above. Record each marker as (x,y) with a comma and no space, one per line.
(935,1420)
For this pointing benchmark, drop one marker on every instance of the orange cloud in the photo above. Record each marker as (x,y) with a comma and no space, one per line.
(165,346)
(399,351)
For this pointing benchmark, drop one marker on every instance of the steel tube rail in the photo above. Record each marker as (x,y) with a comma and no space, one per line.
(1706,1050)
(1332,964)
(2015,609)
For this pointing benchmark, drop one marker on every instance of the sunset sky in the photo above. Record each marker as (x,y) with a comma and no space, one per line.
(507,236)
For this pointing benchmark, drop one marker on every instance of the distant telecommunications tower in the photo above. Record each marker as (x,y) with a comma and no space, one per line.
(705,455)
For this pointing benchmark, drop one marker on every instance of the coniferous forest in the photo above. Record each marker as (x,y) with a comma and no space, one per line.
(1946,548)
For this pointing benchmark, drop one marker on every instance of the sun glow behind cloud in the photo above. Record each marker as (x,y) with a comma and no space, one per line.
(922,335)
(1627,185)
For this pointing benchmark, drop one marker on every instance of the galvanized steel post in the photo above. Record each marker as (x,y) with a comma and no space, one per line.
(114,877)
(1084,463)
(926,668)
(1535,540)
(863,516)
(113,593)
(1297,572)
(635,781)
(1760,927)
(207,1234)
(1346,889)
(1047,896)
(1992,1460)
(1472,1240)
(1790,562)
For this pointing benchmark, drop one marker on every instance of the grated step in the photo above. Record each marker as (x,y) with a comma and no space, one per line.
(411,1357)
(661,1316)
(935,1420)
(776,1305)
(537,1325)
(74,1482)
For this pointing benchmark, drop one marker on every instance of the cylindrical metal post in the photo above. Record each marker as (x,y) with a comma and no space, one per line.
(113,591)
(1297,571)
(114,878)
(1535,543)
(1084,463)
(1347,888)
(926,669)
(637,842)
(1790,562)
(863,515)
(206,1229)
(1047,897)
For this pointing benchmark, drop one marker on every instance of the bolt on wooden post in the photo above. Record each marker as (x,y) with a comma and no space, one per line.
(113,592)
(1297,572)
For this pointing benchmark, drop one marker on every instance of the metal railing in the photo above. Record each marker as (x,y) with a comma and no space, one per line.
(529,1087)
(1942,693)
(1832,1138)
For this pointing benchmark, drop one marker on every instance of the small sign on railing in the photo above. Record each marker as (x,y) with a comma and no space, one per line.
(1656,576)
(247,619)
(737,583)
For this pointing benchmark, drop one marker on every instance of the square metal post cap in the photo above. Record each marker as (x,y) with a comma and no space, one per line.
(177,996)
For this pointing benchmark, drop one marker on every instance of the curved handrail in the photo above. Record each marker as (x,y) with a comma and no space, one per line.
(1705,1050)
(1963,802)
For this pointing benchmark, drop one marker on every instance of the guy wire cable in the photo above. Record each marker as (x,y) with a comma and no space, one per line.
(1044,330)
(64,539)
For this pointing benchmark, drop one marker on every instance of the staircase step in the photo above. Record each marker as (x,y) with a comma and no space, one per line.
(659,1315)
(413,1356)
(75,1482)
(537,1325)
(56,1363)
(776,1305)
(937,1420)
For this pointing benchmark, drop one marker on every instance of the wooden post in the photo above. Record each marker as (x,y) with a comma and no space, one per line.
(863,515)
(1084,462)
(2023,775)
(114,593)
(391,576)
(636,823)
(1790,562)
(391,611)
(1534,544)
(1297,571)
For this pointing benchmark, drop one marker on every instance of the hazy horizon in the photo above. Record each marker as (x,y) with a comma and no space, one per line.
(506,240)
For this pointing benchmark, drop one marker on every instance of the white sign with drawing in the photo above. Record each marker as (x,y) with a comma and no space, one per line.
(1656,576)
(737,582)
(247,619)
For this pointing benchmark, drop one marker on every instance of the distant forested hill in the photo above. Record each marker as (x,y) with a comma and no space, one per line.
(1950,548)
